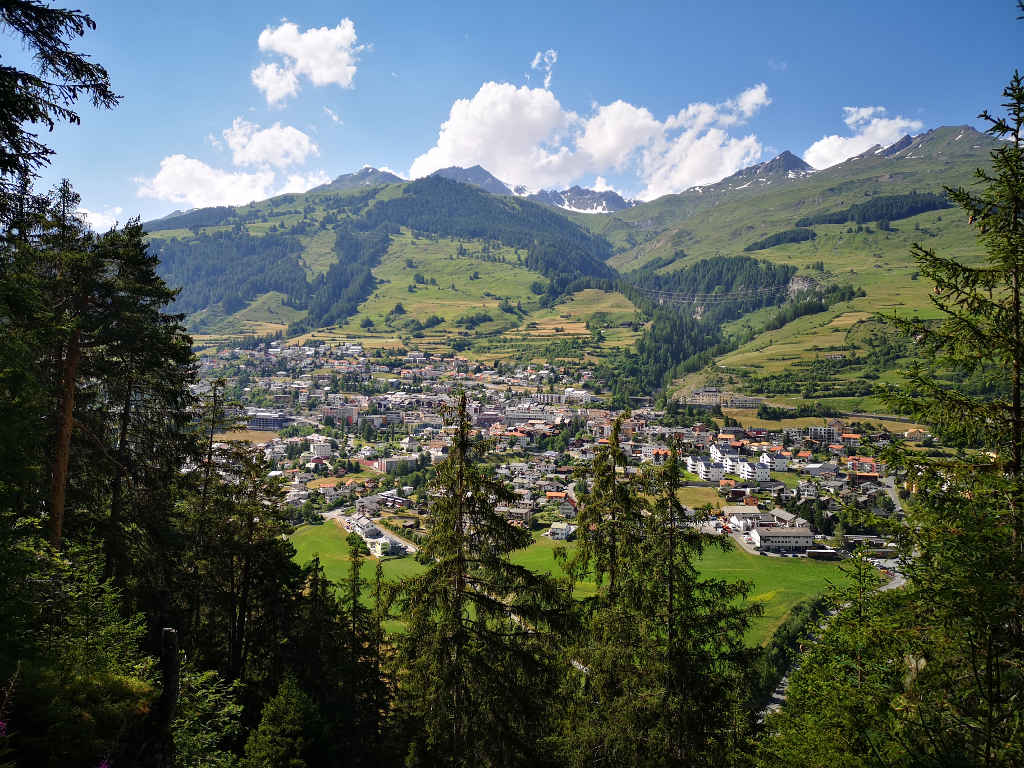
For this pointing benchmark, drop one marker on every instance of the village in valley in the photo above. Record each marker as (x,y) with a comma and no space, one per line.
(351,434)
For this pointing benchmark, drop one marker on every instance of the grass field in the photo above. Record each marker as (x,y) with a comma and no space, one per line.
(431,279)
(263,315)
(366,474)
(699,496)
(778,583)
(749,418)
(438,260)
(328,541)
(318,253)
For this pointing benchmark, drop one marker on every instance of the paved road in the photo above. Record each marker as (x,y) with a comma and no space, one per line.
(890,488)
(746,545)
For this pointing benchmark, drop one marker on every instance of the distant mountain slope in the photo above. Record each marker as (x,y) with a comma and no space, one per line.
(768,198)
(580,200)
(317,250)
(475,176)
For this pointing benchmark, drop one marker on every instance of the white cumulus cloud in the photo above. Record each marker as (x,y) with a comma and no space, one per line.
(276,82)
(101,221)
(545,62)
(279,145)
(183,179)
(614,132)
(751,100)
(524,136)
(601,185)
(323,55)
(869,127)
(512,132)
(303,182)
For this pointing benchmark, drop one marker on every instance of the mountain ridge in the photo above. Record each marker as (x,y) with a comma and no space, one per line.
(582,200)
(292,245)
(476,176)
(367,176)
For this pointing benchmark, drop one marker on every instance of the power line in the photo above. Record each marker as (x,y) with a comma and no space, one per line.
(676,297)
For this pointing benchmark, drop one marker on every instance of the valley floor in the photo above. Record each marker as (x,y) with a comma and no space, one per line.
(778,583)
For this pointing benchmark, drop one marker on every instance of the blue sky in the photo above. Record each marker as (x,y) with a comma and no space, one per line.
(645,98)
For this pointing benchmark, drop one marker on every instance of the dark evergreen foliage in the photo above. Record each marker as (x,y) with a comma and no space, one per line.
(556,247)
(48,95)
(882,208)
(811,302)
(336,294)
(231,268)
(203,217)
(712,290)
(798,235)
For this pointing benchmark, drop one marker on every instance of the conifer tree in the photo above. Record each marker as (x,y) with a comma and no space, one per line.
(844,700)
(698,628)
(474,659)
(609,516)
(661,659)
(936,681)
(965,540)
(285,736)
(49,94)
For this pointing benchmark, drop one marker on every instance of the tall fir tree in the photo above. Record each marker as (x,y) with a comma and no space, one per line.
(475,660)
(661,658)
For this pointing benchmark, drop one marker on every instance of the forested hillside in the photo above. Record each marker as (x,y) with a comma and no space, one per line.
(319,249)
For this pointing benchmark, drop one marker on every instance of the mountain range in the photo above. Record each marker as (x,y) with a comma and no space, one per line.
(471,263)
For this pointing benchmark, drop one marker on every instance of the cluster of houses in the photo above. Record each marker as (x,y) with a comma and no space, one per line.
(386,414)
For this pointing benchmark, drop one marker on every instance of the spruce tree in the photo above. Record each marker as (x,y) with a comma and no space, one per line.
(285,737)
(965,539)
(48,95)
(698,632)
(661,658)
(474,660)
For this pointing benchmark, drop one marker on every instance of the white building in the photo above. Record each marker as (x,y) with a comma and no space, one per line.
(776,462)
(753,471)
(321,449)
(827,434)
(742,516)
(560,531)
(731,463)
(719,453)
(380,547)
(709,472)
(783,540)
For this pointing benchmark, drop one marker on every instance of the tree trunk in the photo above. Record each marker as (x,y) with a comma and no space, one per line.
(62,447)
(112,543)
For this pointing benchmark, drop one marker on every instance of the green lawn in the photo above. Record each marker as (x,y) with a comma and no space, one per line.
(779,583)
(328,541)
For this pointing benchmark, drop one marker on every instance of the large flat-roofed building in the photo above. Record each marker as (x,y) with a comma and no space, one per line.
(782,540)
(391,463)
(267,420)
